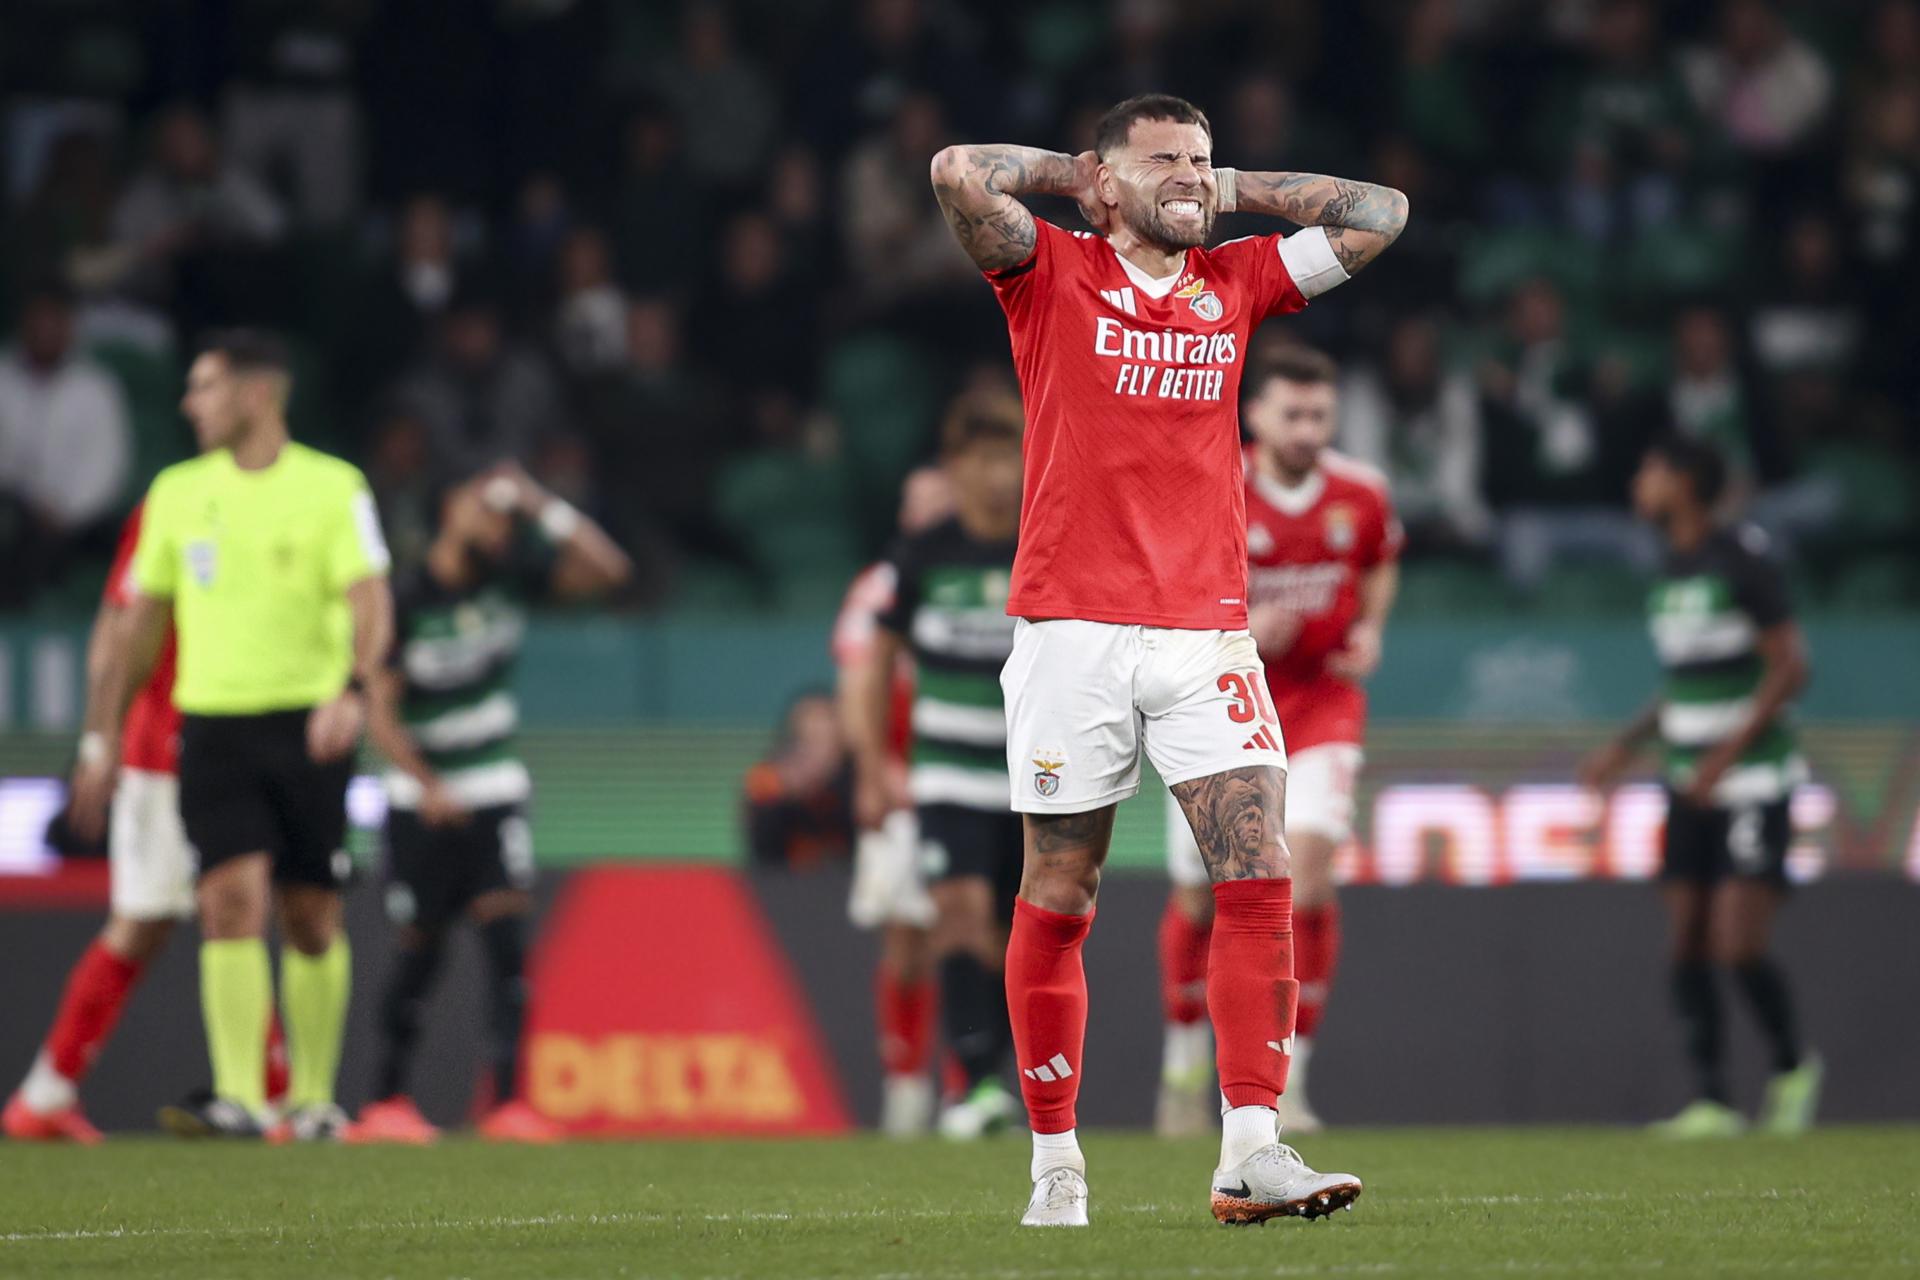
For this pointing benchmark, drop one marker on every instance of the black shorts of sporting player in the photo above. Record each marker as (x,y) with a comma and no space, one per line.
(957,841)
(1706,845)
(247,785)
(435,873)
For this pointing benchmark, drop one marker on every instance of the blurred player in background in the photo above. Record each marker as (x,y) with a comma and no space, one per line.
(267,557)
(1130,586)
(888,892)
(1724,630)
(948,612)
(459,845)
(1324,546)
(152,869)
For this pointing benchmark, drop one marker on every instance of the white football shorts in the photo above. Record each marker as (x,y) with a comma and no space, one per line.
(151,865)
(1320,785)
(1084,698)
(888,885)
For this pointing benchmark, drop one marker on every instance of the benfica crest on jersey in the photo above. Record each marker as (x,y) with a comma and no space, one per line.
(1340,527)
(1205,303)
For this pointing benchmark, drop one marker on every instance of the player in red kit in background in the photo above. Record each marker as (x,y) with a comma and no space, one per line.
(888,891)
(152,868)
(1324,548)
(1130,585)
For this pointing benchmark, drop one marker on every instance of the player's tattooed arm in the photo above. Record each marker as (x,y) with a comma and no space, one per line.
(1236,821)
(979,189)
(1361,219)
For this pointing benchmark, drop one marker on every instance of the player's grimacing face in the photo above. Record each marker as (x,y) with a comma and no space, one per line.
(1296,420)
(1163,185)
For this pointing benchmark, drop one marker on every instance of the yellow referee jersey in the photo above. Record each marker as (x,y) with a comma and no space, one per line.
(257,564)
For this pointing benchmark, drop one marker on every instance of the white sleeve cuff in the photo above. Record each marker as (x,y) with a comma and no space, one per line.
(1311,262)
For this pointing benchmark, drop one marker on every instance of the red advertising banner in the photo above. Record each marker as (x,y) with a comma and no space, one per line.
(662,1004)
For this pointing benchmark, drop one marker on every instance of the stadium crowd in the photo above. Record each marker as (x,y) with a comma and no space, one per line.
(683,263)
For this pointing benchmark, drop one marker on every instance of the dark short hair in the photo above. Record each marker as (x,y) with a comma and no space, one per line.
(1117,125)
(1305,365)
(48,289)
(249,351)
(1704,466)
(982,417)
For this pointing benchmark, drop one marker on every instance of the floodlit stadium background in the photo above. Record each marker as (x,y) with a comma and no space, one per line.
(729,316)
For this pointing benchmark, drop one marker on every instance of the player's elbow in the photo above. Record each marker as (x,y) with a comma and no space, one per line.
(1398,210)
(949,164)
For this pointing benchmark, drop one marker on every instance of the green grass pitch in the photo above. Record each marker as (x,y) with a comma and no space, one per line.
(1439,1202)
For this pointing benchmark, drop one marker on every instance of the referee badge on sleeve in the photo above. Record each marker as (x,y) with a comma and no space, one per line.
(201,558)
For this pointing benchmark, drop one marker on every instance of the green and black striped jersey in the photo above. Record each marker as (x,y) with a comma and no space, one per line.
(456,650)
(949,605)
(1707,612)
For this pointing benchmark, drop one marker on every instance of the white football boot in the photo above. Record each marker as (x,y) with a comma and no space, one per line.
(906,1105)
(1274,1182)
(1059,1200)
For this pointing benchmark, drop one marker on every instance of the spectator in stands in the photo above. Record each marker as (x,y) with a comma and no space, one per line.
(896,242)
(1883,192)
(188,199)
(755,325)
(543,219)
(400,471)
(66,442)
(1439,102)
(799,801)
(292,106)
(1419,423)
(855,84)
(481,397)
(1546,467)
(1627,123)
(661,210)
(590,319)
(796,200)
(725,106)
(1764,86)
(401,304)
(1806,329)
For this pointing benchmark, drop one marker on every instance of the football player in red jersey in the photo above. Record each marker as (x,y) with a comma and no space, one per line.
(1324,547)
(1130,586)
(152,870)
(888,893)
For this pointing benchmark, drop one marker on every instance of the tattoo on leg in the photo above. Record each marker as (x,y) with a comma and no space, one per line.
(1065,849)
(1236,820)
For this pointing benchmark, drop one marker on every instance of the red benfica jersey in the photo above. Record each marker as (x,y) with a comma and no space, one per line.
(1133,509)
(853,631)
(1308,549)
(150,739)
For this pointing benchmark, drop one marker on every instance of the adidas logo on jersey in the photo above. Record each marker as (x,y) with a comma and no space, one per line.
(1054,1068)
(1121,298)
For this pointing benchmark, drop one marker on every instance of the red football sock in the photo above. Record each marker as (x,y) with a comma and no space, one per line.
(279,1071)
(904,1011)
(1183,965)
(96,991)
(1251,992)
(1316,953)
(1047,1005)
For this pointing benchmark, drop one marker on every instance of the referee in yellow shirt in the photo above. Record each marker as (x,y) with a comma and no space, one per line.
(268,557)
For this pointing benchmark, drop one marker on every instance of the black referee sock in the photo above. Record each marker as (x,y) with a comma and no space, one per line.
(1766,990)
(401,1010)
(505,943)
(973,1007)
(1697,1000)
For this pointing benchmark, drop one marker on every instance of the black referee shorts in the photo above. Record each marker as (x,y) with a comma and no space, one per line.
(247,785)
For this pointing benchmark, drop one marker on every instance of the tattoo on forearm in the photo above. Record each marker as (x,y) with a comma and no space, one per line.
(1362,219)
(978,188)
(1236,820)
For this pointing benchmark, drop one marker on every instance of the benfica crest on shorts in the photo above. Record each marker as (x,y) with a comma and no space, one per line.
(1205,303)
(1047,780)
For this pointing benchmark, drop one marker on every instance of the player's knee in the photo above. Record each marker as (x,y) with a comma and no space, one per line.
(136,941)
(310,921)
(1068,890)
(231,909)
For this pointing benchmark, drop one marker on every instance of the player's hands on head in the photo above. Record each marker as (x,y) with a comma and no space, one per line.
(89,792)
(508,486)
(439,807)
(333,728)
(1359,658)
(1274,629)
(1087,190)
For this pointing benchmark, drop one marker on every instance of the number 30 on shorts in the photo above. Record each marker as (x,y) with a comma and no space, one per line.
(1250,702)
